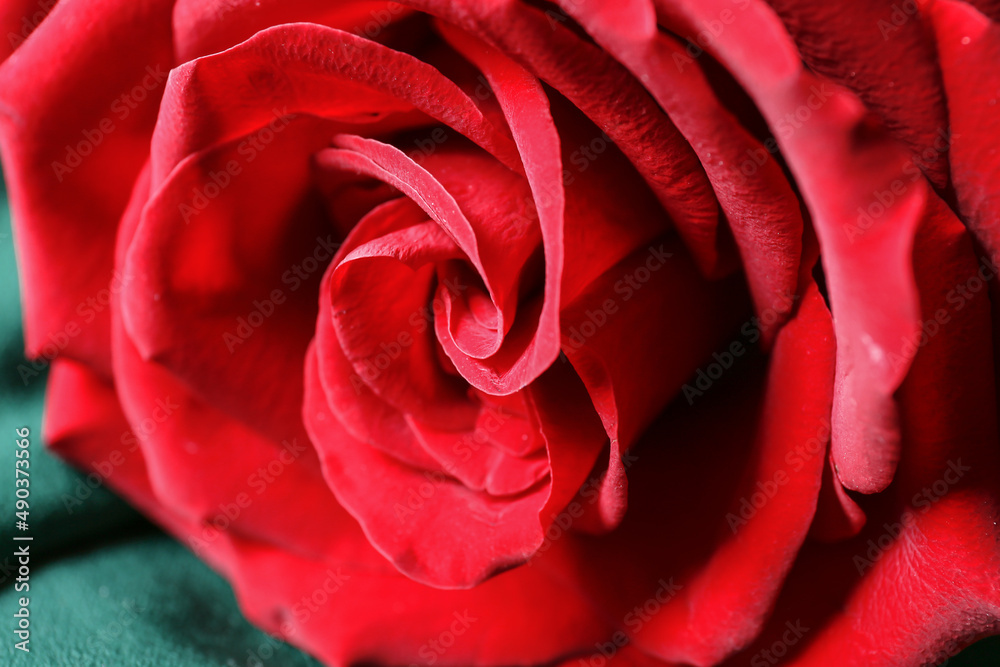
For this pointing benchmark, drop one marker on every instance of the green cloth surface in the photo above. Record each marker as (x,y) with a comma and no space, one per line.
(106,587)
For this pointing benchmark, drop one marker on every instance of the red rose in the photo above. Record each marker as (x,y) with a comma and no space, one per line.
(496,332)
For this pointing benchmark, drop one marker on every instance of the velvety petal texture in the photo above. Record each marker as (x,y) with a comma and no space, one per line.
(497,332)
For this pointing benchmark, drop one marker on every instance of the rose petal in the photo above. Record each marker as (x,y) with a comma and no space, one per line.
(838,517)
(762,210)
(484,243)
(990,8)
(433,529)
(930,559)
(352,399)
(202,27)
(865,207)
(615,102)
(309,69)
(375,291)
(371,611)
(223,291)
(183,273)
(642,299)
(186,441)
(848,43)
(74,142)
(726,600)
(967,39)
(18,19)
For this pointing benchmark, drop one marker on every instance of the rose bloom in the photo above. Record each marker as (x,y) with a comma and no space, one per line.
(494,332)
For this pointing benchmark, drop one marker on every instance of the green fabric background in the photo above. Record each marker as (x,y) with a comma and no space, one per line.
(107,587)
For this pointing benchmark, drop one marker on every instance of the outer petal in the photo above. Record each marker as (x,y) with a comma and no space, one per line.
(881,50)
(186,441)
(701,603)
(222,292)
(73,143)
(865,208)
(202,27)
(931,558)
(990,8)
(969,42)
(726,600)
(307,68)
